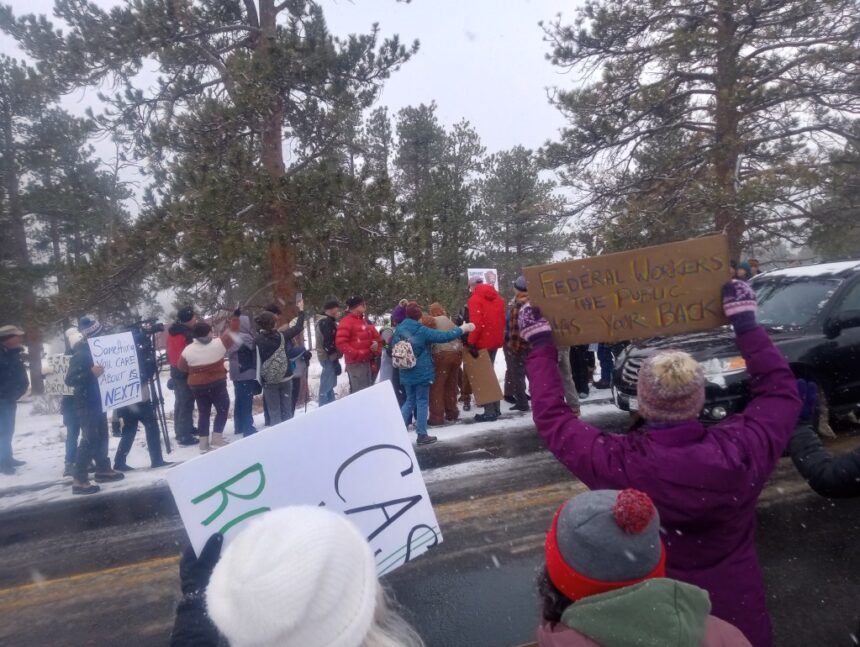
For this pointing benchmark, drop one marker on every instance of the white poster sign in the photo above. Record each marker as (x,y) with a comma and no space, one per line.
(353,456)
(488,275)
(54,368)
(120,383)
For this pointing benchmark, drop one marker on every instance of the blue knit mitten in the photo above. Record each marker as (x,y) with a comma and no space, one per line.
(739,304)
(533,327)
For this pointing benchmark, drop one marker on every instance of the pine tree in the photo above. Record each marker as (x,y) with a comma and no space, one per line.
(287,83)
(759,90)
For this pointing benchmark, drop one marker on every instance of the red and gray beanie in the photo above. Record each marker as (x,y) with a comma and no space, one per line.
(604,540)
(671,387)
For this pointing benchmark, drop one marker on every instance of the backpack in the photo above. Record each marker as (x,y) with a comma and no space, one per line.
(277,367)
(403,356)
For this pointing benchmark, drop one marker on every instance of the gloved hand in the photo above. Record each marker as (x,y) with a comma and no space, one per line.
(473,351)
(533,327)
(466,328)
(374,346)
(307,357)
(237,312)
(808,392)
(194,572)
(739,304)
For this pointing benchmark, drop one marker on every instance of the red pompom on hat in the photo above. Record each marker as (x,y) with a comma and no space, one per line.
(604,540)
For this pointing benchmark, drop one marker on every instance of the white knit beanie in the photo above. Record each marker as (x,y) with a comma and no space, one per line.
(299,576)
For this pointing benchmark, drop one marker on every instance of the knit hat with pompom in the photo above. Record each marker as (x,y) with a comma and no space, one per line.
(671,387)
(604,540)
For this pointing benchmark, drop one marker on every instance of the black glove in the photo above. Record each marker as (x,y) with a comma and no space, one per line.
(337,368)
(194,572)
(237,312)
(473,351)
(307,356)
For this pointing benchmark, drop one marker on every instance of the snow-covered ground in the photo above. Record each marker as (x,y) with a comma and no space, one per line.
(40,441)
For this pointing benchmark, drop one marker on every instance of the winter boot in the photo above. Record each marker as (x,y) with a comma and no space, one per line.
(186,441)
(161,463)
(424,439)
(84,487)
(218,440)
(109,476)
(204,444)
(123,467)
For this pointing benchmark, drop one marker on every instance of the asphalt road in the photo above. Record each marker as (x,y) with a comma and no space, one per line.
(107,573)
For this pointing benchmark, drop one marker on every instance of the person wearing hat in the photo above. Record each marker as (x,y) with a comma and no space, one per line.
(13,384)
(417,380)
(705,481)
(243,374)
(487,313)
(327,353)
(71,421)
(83,375)
(517,348)
(273,345)
(179,335)
(604,583)
(359,342)
(447,359)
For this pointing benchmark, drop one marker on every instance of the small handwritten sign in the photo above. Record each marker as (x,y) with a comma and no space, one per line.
(120,383)
(353,456)
(487,275)
(54,368)
(648,292)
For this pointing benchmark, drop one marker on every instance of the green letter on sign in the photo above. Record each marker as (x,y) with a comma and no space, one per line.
(226,493)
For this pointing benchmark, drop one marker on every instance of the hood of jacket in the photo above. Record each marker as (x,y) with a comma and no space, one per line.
(653,613)
(486,292)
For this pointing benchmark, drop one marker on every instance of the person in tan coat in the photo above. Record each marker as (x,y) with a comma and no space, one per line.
(447,359)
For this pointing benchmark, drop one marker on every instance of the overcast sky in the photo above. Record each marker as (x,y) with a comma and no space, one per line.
(482,60)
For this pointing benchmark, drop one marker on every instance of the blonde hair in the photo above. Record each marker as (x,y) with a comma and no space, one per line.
(389,629)
(675,369)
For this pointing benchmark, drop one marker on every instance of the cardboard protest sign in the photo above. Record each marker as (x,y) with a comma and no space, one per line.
(120,383)
(488,275)
(482,378)
(54,368)
(353,456)
(648,292)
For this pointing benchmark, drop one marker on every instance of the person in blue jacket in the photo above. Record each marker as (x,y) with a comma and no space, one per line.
(417,380)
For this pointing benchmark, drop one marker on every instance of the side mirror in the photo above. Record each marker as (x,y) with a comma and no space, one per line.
(834,326)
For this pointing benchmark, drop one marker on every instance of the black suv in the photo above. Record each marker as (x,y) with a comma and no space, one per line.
(812,314)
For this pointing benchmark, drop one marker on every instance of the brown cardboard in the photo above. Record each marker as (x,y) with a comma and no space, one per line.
(648,292)
(482,377)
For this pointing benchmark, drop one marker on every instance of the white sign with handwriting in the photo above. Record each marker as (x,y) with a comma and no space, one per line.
(353,456)
(120,383)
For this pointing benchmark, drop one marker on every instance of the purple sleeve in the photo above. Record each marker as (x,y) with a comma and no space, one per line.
(597,459)
(771,415)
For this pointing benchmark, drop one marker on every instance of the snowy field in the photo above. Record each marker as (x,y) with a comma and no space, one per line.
(40,441)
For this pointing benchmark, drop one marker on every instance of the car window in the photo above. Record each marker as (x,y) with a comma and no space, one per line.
(852,299)
(794,303)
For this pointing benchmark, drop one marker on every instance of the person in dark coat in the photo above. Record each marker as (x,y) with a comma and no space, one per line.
(84,376)
(831,476)
(275,374)
(13,385)
(705,481)
(179,335)
(327,353)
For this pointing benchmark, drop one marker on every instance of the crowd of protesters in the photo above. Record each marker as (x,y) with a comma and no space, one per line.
(660,551)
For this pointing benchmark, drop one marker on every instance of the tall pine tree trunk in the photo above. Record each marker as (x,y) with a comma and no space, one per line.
(727,150)
(282,259)
(18,233)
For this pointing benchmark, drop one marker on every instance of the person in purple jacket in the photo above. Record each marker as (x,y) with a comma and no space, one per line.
(705,481)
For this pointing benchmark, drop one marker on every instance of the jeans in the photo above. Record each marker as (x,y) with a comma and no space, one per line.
(73,427)
(243,407)
(183,408)
(360,376)
(142,412)
(207,396)
(604,356)
(417,401)
(278,401)
(94,441)
(7,430)
(328,380)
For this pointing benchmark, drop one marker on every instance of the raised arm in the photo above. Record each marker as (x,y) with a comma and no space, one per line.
(829,475)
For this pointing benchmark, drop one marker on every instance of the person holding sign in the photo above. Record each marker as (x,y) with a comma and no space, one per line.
(84,376)
(300,576)
(705,481)
(203,360)
(418,378)
(13,385)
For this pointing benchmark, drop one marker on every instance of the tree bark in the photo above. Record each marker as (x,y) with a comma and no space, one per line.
(21,254)
(727,145)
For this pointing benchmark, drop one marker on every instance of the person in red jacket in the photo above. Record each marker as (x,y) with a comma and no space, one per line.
(487,312)
(360,344)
